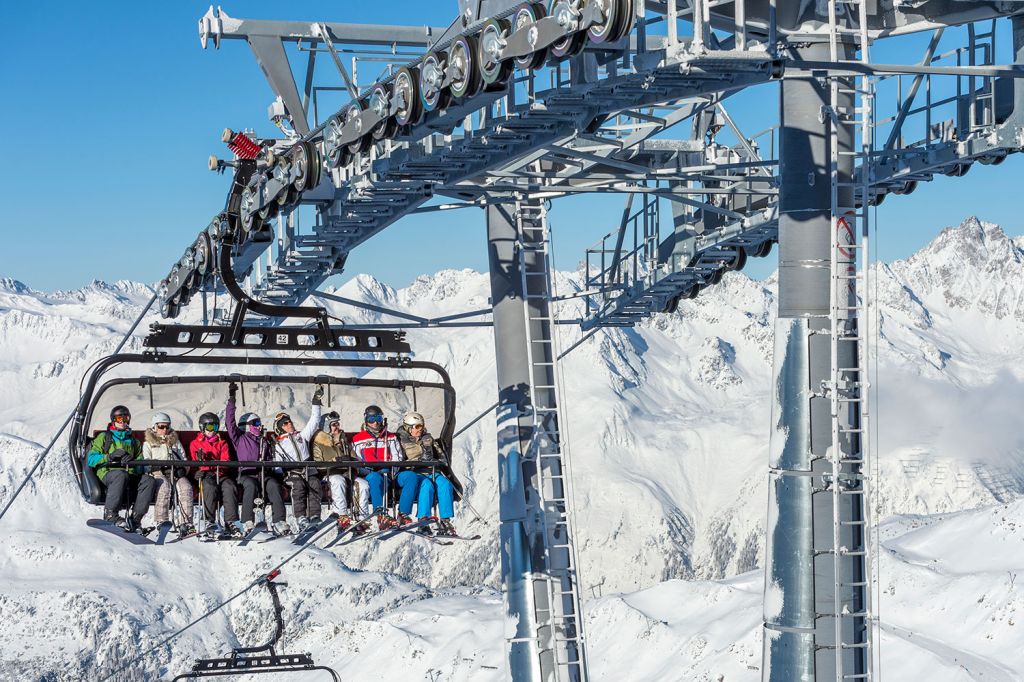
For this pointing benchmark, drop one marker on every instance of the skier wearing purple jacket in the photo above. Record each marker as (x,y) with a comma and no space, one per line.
(246,434)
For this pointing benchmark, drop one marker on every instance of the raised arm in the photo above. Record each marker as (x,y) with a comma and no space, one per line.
(234,433)
(310,429)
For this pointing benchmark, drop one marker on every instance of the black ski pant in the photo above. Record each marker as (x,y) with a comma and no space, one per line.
(224,491)
(275,496)
(124,488)
(307,491)
(250,484)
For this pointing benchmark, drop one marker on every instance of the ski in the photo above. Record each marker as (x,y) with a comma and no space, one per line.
(467,538)
(193,534)
(134,538)
(311,530)
(165,528)
(388,533)
(256,532)
(437,540)
(342,533)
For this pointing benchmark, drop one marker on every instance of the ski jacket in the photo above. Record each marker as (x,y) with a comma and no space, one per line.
(162,446)
(330,448)
(213,448)
(294,447)
(104,444)
(248,445)
(417,449)
(380,448)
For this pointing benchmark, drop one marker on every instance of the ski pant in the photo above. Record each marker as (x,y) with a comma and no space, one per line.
(182,488)
(224,491)
(408,482)
(307,492)
(275,496)
(437,485)
(124,488)
(250,484)
(339,495)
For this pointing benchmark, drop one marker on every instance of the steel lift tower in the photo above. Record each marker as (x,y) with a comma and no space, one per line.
(516,104)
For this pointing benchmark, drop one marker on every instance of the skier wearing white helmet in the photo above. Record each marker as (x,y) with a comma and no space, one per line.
(162,442)
(419,445)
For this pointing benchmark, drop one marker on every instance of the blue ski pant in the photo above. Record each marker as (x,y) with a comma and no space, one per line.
(410,484)
(437,484)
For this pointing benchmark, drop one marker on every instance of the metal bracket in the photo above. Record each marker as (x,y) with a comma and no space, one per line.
(239,336)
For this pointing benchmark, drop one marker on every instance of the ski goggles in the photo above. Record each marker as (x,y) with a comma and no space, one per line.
(122,419)
(211,426)
(256,422)
(414,426)
(374,418)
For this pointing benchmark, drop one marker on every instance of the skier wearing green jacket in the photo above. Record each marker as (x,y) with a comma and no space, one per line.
(110,455)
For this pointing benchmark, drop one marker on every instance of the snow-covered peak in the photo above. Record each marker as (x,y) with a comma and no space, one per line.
(974,266)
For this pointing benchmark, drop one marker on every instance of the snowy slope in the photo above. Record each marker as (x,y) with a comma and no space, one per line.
(667,425)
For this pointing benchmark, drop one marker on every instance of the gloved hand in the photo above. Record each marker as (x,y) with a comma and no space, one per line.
(119,457)
(318,395)
(232,390)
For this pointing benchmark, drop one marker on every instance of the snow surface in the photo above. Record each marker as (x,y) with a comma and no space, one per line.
(667,424)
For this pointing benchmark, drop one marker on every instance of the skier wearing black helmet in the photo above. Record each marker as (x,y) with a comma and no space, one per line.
(215,484)
(376,444)
(111,454)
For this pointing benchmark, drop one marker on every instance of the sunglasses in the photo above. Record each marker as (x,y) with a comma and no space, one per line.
(370,418)
(163,427)
(338,424)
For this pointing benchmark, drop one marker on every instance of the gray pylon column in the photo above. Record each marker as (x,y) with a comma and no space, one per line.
(544,635)
(800,579)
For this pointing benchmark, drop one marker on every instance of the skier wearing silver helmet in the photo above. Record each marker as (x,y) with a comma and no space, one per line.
(160,441)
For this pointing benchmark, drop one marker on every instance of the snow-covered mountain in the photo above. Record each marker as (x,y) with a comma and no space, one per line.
(667,424)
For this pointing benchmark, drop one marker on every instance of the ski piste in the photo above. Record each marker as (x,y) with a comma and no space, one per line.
(132,537)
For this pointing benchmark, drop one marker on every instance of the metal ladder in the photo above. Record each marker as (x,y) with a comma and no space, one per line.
(547,448)
(852,104)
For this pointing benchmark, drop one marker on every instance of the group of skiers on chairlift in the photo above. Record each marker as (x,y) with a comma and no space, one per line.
(321,440)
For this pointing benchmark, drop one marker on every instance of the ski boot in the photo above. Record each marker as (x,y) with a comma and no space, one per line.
(445,528)
(385,521)
(404,519)
(427,530)
(281,529)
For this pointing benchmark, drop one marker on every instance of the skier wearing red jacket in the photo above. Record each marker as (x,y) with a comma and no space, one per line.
(210,446)
(376,444)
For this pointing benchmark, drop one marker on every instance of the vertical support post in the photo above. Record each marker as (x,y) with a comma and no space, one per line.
(1017,30)
(801,586)
(544,637)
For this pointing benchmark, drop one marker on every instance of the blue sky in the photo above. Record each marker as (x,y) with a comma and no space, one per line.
(113,108)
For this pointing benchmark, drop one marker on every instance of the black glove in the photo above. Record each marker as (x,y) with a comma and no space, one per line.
(119,456)
(318,395)
(232,390)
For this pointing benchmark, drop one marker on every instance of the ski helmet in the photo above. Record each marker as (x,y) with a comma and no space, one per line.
(413,419)
(160,418)
(328,419)
(373,414)
(280,419)
(248,418)
(208,418)
(120,411)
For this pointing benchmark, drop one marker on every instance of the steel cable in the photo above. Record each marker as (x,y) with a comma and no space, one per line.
(258,581)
